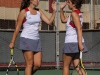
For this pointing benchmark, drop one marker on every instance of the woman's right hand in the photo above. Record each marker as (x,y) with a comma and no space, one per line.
(11,45)
(81,47)
(63,5)
(54,5)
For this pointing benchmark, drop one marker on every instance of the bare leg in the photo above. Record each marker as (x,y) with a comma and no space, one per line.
(28,55)
(67,58)
(37,61)
(76,60)
(77,65)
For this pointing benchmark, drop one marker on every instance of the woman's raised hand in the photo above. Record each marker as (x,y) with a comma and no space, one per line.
(54,6)
(63,5)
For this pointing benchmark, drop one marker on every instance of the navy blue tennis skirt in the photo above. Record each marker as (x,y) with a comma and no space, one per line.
(30,44)
(73,48)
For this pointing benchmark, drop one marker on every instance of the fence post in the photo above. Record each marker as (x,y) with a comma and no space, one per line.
(92,14)
(57,35)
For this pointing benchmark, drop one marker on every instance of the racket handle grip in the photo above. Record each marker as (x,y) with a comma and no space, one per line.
(80,55)
(11,51)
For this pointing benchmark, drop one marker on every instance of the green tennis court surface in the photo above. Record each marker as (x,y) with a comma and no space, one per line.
(53,72)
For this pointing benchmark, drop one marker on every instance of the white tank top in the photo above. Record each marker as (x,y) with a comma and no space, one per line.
(71,31)
(31,25)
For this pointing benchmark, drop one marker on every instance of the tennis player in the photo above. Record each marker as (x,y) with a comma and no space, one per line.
(74,42)
(30,17)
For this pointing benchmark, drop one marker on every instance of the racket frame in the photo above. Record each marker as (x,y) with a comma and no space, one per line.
(12,62)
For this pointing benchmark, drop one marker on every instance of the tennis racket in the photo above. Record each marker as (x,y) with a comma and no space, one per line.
(12,68)
(80,68)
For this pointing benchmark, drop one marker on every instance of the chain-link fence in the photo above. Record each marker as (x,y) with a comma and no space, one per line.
(52,37)
(48,40)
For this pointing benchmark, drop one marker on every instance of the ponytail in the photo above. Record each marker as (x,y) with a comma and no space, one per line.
(24,4)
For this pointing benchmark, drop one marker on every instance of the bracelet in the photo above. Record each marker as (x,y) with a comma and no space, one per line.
(11,42)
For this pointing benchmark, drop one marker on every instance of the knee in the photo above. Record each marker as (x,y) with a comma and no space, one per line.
(29,64)
(66,66)
(37,66)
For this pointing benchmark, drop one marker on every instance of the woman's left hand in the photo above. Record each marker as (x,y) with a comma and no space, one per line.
(54,6)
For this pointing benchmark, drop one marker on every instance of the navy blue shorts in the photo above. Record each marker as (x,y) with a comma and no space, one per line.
(30,44)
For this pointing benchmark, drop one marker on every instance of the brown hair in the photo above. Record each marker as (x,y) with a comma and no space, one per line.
(24,4)
(78,3)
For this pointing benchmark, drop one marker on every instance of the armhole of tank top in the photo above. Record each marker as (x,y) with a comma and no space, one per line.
(77,12)
(38,11)
(26,9)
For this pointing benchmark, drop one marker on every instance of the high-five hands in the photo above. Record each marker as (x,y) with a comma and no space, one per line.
(54,6)
(64,4)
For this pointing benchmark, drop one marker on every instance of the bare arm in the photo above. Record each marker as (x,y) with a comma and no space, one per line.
(45,18)
(18,25)
(62,16)
(76,20)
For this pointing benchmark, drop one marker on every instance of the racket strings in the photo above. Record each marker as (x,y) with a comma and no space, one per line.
(12,67)
(79,70)
(12,70)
